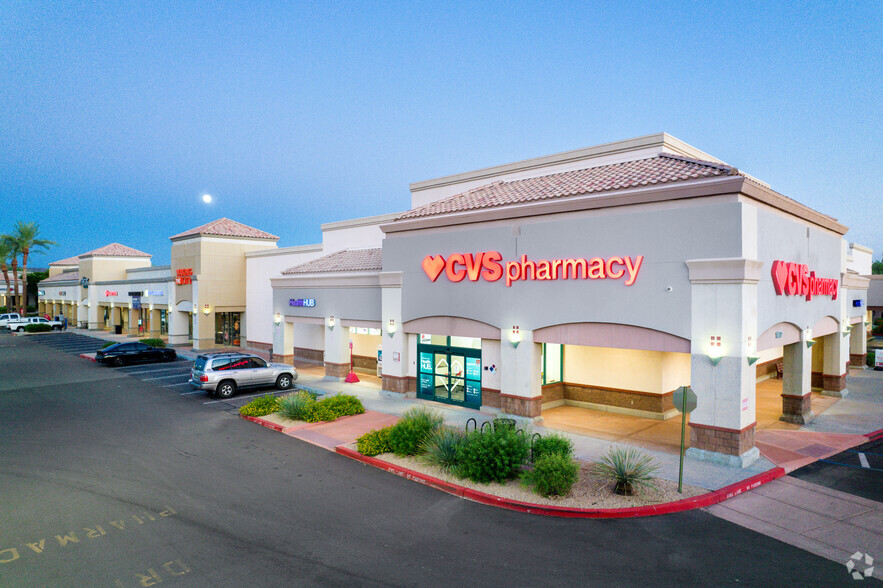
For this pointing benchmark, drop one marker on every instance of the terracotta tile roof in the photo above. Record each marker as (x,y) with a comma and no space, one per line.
(225,227)
(63,277)
(115,250)
(348,260)
(69,261)
(663,168)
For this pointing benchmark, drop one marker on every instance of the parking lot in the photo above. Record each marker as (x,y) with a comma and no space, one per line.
(168,378)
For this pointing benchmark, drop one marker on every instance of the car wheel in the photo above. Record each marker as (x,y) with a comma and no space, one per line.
(226,389)
(117,362)
(169,357)
(283,382)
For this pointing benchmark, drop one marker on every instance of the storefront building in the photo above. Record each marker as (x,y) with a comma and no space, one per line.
(603,278)
(198,300)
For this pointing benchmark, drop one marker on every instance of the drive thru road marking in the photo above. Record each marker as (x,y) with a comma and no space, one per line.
(863,460)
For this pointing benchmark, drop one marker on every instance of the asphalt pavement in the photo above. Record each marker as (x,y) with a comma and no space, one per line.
(111,478)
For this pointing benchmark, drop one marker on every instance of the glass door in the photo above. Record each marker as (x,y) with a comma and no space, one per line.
(450,374)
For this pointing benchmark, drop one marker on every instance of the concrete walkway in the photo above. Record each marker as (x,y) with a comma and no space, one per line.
(823,521)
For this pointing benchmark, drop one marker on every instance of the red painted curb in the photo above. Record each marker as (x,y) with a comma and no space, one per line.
(873,436)
(562,511)
(84,356)
(263,423)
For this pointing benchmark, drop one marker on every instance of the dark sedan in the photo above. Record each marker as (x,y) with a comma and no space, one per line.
(122,353)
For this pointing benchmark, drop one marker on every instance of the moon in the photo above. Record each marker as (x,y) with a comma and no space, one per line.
(207,198)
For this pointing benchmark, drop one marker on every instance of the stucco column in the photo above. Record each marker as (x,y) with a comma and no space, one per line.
(283,341)
(521,391)
(797,382)
(337,349)
(155,323)
(396,355)
(204,331)
(179,327)
(723,322)
(92,312)
(858,346)
(835,360)
(133,321)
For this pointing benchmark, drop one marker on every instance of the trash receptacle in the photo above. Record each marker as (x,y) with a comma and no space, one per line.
(118,329)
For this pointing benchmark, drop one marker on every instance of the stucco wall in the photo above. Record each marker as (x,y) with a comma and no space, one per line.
(656,372)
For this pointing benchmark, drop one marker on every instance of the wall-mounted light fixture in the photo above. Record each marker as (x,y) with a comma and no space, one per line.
(206,309)
(515,336)
(391,327)
(810,343)
(277,318)
(752,359)
(331,322)
(715,352)
(847,330)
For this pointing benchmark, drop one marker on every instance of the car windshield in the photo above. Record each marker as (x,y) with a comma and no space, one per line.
(199,364)
(115,347)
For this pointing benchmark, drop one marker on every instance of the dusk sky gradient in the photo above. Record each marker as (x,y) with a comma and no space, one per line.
(116,117)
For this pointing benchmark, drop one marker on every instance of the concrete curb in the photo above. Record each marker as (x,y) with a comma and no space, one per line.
(874,435)
(88,356)
(263,423)
(559,511)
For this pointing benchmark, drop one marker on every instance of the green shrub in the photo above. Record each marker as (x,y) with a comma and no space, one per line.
(306,390)
(38,328)
(260,406)
(299,406)
(493,456)
(440,448)
(552,444)
(153,342)
(626,467)
(374,442)
(341,405)
(552,473)
(414,427)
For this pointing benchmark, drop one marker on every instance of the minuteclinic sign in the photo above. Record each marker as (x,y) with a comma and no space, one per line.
(795,279)
(489,265)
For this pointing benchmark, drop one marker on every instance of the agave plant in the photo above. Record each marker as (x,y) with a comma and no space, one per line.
(626,467)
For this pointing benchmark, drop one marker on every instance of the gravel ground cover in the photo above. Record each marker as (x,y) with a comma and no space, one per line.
(589,492)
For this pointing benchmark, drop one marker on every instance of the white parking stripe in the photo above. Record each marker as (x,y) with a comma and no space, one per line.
(863,459)
(178,384)
(180,367)
(163,377)
(191,392)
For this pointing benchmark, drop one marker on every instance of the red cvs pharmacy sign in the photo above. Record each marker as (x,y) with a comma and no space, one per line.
(795,279)
(489,266)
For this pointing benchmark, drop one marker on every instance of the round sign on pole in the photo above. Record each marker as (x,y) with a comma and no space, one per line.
(682,395)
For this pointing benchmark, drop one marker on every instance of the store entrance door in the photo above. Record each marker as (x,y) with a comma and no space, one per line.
(450,374)
(227,330)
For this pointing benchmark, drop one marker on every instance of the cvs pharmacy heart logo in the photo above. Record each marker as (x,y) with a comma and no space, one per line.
(433,266)
(779,272)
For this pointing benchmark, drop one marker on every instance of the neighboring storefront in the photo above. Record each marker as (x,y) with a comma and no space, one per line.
(603,278)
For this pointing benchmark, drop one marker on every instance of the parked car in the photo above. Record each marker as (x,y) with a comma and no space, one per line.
(223,373)
(20,324)
(120,354)
(6,317)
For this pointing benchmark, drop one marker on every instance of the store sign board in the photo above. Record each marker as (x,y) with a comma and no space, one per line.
(489,265)
(62,293)
(795,279)
(136,302)
(184,276)
(139,294)
(156,293)
(111,293)
(305,302)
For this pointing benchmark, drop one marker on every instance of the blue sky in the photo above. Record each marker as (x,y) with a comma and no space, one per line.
(116,117)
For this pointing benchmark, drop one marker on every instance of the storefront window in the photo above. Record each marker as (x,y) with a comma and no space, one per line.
(227,328)
(163,322)
(448,373)
(106,318)
(553,363)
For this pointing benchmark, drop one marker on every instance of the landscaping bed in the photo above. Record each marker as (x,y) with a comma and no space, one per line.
(589,492)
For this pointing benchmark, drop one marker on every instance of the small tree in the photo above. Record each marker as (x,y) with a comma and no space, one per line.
(877,267)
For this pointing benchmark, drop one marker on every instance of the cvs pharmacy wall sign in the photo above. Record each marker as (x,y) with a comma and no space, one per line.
(489,265)
(795,279)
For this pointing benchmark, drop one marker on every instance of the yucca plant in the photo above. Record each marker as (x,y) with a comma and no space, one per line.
(440,448)
(297,406)
(626,467)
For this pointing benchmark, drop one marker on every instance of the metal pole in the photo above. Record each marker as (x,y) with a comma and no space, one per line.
(683,429)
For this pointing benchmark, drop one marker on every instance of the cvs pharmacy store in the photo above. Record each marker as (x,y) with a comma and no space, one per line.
(606,278)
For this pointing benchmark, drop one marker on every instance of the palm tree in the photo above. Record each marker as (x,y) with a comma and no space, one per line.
(13,256)
(5,251)
(25,239)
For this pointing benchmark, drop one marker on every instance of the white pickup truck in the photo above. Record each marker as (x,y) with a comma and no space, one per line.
(20,324)
(6,317)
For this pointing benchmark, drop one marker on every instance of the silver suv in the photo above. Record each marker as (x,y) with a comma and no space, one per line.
(222,373)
